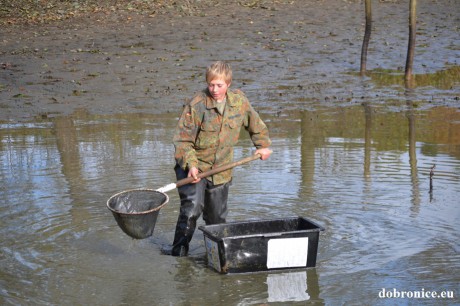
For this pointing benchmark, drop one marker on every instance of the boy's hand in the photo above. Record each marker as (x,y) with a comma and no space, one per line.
(264,153)
(193,172)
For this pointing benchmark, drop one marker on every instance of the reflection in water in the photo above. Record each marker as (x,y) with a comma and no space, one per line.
(413,158)
(287,287)
(293,286)
(362,172)
(367,139)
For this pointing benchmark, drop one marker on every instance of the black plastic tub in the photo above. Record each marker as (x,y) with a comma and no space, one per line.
(262,245)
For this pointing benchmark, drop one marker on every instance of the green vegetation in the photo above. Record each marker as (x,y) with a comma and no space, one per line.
(443,79)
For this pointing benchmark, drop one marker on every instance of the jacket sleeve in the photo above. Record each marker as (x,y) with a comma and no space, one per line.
(257,129)
(184,138)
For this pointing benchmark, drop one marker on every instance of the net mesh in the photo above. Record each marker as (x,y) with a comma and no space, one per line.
(137,201)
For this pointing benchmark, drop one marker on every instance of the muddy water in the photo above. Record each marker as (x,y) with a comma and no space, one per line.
(362,172)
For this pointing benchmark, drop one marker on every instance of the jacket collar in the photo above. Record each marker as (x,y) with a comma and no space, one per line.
(211,103)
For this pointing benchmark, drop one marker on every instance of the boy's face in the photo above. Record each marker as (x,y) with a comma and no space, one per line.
(218,89)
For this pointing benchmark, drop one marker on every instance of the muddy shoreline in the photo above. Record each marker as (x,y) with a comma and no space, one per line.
(287,55)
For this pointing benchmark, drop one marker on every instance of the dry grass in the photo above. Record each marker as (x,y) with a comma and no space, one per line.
(47,11)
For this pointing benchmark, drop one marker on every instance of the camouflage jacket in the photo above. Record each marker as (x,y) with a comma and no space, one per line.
(204,138)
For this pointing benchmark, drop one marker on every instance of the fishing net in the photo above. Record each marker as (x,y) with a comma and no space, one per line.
(138,201)
(136,210)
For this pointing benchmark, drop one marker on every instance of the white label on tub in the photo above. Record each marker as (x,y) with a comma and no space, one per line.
(287,252)
(212,249)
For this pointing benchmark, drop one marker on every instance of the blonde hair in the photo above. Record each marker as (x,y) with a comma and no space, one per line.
(219,70)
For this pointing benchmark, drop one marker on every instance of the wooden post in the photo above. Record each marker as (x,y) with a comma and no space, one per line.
(408,77)
(367,36)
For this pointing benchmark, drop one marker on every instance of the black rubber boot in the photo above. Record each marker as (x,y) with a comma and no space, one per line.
(192,197)
(184,232)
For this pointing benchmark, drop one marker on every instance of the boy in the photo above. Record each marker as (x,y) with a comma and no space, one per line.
(207,130)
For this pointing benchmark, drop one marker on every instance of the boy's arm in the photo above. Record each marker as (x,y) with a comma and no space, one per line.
(258,132)
(184,139)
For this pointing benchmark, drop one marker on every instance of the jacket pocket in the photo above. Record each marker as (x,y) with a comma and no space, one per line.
(208,137)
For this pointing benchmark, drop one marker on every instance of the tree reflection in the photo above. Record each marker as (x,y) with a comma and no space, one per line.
(367,139)
(68,147)
(312,137)
(413,157)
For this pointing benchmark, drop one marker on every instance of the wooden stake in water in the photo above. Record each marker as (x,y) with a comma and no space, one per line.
(431,181)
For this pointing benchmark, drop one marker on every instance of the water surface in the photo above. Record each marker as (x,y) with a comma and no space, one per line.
(362,172)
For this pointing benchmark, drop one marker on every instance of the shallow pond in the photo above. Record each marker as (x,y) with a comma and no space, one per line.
(362,172)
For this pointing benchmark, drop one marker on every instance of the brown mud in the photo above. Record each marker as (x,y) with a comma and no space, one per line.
(286,55)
